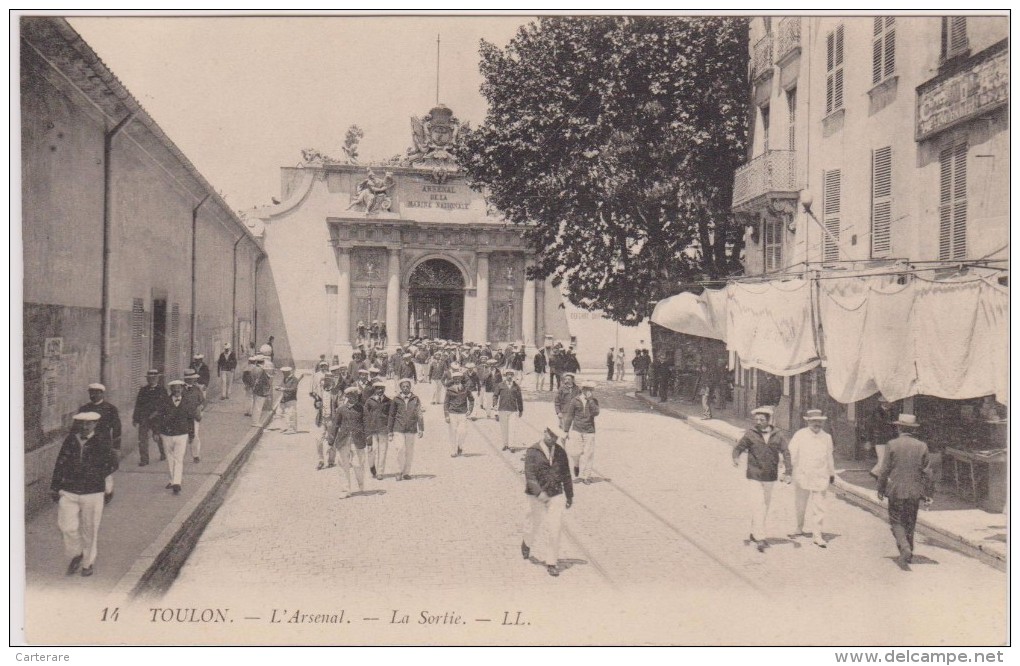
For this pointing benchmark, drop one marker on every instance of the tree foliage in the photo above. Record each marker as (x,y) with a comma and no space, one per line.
(612,141)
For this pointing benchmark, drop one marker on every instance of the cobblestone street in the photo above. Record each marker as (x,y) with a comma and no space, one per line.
(654,551)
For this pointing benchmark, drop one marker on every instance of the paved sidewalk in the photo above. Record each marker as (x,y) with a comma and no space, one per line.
(975,530)
(141,509)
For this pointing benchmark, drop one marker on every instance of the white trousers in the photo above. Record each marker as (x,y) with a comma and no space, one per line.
(78,517)
(761,499)
(346,457)
(545,525)
(437,391)
(176,445)
(505,419)
(380,443)
(581,450)
(196,443)
(405,451)
(458,431)
(258,403)
(289,411)
(810,506)
(226,379)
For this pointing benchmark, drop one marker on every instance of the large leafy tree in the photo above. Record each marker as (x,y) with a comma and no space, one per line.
(612,141)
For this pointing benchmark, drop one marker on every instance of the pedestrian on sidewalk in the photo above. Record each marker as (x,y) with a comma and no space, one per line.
(406,418)
(765,445)
(580,415)
(146,407)
(195,396)
(288,389)
(456,406)
(248,381)
(663,373)
(201,369)
(621,365)
(322,400)
(262,388)
(610,364)
(437,369)
(225,366)
(509,405)
(108,427)
(540,366)
(408,369)
(879,431)
(555,367)
(377,412)
(472,384)
(78,485)
(705,382)
(640,370)
(567,392)
(906,478)
(814,470)
(176,425)
(550,492)
(349,441)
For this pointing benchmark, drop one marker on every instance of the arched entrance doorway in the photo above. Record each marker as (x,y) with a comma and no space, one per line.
(435,301)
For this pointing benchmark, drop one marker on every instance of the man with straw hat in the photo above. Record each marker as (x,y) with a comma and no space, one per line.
(85,460)
(550,491)
(905,478)
(579,416)
(813,471)
(765,445)
(176,424)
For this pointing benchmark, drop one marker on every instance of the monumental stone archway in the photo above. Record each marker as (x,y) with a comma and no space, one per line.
(435,292)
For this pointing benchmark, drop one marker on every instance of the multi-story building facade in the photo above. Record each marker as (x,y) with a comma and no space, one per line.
(876,142)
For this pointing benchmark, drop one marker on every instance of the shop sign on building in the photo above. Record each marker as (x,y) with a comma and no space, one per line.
(980,86)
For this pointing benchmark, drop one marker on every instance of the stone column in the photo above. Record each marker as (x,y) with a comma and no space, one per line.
(528,309)
(393,327)
(482,299)
(343,299)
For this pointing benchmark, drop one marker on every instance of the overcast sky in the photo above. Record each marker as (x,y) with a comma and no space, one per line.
(242,96)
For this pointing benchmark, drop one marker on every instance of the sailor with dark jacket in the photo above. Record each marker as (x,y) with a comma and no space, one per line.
(146,405)
(377,416)
(550,491)
(457,404)
(108,426)
(348,430)
(406,419)
(78,484)
(765,446)
(175,421)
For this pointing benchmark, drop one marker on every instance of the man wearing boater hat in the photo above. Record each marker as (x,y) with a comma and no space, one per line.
(579,415)
(146,406)
(78,485)
(765,445)
(457,404)
(108,427)
(176,425)
(550,491)
(905,478)
(406,418)
(813,471)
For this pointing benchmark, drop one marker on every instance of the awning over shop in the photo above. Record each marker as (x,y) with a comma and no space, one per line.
(688,313)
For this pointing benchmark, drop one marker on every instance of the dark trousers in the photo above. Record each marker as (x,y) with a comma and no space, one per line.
(610,374)
(662,388)
(902,520)
(554,380)
(144,434)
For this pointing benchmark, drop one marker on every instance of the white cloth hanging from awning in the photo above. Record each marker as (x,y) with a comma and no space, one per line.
(947,338)
(691,314)
(769,326)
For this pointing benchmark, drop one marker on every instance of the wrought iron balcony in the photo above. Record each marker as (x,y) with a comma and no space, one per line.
(769,176)
(761,61)
(788,40)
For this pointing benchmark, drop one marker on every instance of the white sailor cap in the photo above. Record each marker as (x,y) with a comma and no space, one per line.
(176,382)
(97,387)
(87,416)
(287,368)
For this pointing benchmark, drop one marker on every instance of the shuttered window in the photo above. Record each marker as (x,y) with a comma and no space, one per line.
(137,337)
(953,202)
(831,215)
(791,102)
(773,244)
(834,70)
(174,362)
(954,36)
(883,48)
(881,201)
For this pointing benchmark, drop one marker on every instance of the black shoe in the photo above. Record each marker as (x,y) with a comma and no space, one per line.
(332,464)
(406,477)
(143,464)
(460,451)
(196,459)
(162,456)
(372,469)
(321,465)
(506,448)
(553,571)
(525,550)
(577,471)
(86,571)
(177,489)
(72,568)
(169,486)
(107,497)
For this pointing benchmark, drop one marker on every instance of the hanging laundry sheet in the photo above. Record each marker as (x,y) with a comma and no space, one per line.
(769,326)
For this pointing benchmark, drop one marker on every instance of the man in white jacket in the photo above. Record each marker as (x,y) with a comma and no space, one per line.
(813,471)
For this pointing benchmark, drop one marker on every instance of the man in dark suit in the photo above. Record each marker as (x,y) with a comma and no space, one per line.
(550,491)
(108,427)
(146,405)
(906,479)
